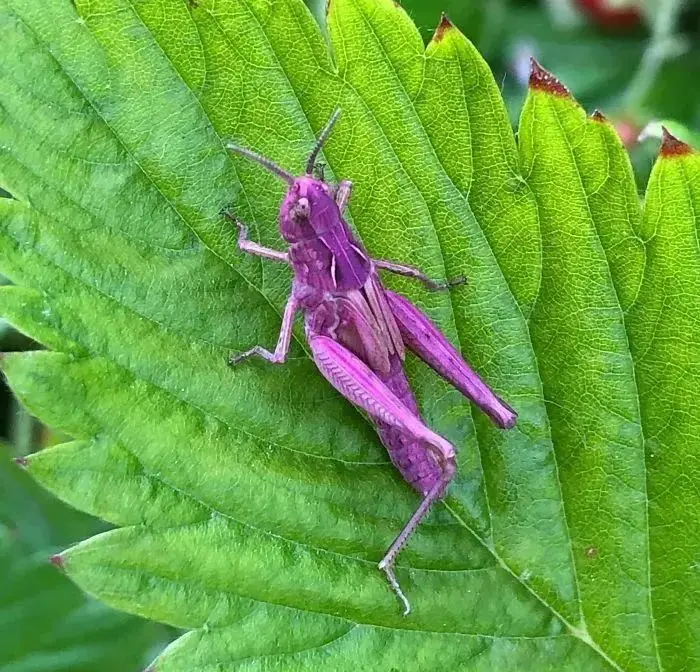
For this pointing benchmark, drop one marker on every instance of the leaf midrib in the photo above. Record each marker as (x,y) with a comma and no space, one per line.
(583,636)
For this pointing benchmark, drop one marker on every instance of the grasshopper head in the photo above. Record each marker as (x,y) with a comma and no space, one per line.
(308,210)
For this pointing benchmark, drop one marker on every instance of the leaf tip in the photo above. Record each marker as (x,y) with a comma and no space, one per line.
(57,561)
(444,25)
(544,80)
(671,146)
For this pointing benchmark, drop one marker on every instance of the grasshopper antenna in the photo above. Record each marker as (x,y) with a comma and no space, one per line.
(322,140)
(263,161)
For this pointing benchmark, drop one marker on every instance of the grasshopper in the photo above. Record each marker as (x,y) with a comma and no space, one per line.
(358,332)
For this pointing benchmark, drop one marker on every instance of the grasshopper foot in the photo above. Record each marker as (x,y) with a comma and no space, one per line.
(242,228)
(257,351)
(235,358)
(228,214)
(435,286)
(238,357)
(387,568)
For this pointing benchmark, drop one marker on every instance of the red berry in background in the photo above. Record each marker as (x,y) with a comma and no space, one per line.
(628,132)
(611,14)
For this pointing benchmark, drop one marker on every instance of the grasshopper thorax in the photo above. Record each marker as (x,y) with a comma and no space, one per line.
(324,253)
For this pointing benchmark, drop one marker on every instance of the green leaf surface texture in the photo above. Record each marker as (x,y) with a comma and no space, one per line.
(253,504)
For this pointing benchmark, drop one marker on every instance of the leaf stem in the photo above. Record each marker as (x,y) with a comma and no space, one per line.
(664,44)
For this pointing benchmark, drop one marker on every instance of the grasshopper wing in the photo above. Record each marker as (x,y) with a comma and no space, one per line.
(423,338)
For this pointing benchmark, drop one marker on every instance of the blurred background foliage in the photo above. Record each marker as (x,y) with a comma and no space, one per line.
(638,61)
(46,623)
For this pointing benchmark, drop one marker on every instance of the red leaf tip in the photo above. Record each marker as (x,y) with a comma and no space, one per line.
(444,25)
(545,81)
(57,560)
(672,146)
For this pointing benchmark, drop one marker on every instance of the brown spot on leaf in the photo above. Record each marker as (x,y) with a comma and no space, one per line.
(543,80)
(21,461)
(592,552)
(444,25)
(672,146)
(57,560)
(598,116)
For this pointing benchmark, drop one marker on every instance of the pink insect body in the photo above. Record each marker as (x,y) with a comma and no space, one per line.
(358,333)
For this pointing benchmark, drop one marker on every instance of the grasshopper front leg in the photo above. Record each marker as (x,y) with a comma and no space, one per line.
(279,356)
(360,385)
(251,247)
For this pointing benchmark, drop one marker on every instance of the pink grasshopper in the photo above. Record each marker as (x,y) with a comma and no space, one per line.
(358,332)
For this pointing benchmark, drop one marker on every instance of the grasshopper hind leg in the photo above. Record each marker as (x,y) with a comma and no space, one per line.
(360,385)
(434,494)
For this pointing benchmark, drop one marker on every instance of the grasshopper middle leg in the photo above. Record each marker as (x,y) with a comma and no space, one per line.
(417,274)
(279,356)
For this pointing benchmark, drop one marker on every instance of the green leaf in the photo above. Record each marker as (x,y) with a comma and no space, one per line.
(47,623)
(254,503)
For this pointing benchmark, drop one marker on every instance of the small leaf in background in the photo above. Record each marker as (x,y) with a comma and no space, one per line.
(252,505)
(47,623)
